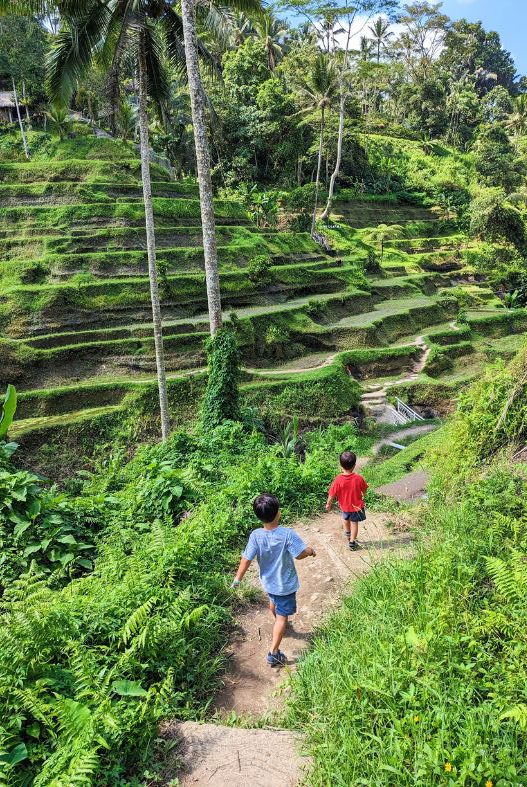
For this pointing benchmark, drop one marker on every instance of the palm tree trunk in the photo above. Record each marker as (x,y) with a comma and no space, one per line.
(28,118)
(201,144)
(22,131)
(151,244)
(319,164)
(336,171)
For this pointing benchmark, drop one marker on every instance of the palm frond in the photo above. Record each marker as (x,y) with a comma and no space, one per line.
(173,32)
(251,8)
(73,51)
(158,84)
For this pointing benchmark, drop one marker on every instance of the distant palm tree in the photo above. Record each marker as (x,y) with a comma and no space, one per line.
(59,119)
(242,29)
(272,32)
(318,90)
(517,120)
(381,34)
(365,50)
(384,232)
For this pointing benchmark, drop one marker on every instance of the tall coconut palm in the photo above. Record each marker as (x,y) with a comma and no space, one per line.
(201,142)
(108,30)
(20,123)
(380,32)
(317,92)
(272,32)
(150,29)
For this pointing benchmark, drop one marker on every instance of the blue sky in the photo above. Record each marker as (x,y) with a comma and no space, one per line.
(507,17)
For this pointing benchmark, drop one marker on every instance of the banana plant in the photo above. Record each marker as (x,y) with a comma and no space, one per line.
(8,410)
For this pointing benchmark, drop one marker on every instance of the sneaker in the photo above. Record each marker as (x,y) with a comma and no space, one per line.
(354,545)
(276,659)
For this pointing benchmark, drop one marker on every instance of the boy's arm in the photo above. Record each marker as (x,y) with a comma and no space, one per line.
(331,499)
(242,569)
(307,552)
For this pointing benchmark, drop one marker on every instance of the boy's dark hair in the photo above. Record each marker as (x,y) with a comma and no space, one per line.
(266,507)
(348,460)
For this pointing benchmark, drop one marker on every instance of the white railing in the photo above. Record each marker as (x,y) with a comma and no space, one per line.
(406,412)
(397,417)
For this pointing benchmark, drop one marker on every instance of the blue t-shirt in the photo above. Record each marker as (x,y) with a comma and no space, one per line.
(275,551)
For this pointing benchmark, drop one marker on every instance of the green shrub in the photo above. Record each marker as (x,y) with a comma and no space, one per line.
(221,400)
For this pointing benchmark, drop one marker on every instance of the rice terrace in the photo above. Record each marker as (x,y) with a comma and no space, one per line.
(263,394)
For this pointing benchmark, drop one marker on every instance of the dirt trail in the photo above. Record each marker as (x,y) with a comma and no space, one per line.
(222,756)
(251,687)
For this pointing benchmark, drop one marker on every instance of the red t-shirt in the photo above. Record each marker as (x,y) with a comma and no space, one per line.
(349,491)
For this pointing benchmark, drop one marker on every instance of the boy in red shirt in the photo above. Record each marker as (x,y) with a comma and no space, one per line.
(349,489)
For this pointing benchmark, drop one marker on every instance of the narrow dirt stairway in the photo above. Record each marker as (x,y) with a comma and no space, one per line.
(209,754)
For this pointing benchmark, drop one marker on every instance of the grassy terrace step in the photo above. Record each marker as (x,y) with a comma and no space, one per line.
(81,193)
(114,239)
(125,170)
(366,214)
(357,299)
(70,304)
(24,426)
(244,245)
(386,324)
(167,212)
(498,322)
(416,245)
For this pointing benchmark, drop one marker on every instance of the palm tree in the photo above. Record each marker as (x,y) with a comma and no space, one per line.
(365,49)
(201,143)
(20,123)
(59,119)
(517,120)
(381,34)
(111,30)
(272,32)
(242,29)
(318,91)
(383,232)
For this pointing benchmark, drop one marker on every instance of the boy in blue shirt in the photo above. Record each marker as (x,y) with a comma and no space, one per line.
(276,548)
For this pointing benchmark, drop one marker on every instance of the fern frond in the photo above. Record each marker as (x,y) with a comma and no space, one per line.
(503,577)
(138,619)
(518,714)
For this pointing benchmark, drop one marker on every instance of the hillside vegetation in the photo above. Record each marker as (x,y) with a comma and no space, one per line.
(231,247)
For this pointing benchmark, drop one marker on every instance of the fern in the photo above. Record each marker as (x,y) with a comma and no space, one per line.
(138,619)
(518,714)
(509,578)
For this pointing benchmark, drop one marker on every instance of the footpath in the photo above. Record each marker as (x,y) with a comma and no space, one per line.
(224,756)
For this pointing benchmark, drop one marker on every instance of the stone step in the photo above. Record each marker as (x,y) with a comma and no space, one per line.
(210,754)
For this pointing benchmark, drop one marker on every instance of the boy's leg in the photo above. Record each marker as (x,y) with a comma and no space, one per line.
(347,523)
(354,531)
(272,607)
(278,632)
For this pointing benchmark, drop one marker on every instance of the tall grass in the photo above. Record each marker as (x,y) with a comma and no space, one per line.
(420,678)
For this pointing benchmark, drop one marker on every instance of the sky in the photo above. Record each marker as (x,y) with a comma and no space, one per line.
(507,17)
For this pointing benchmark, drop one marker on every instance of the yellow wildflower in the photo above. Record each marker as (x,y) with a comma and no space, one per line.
(417,718)
(489,783)
(448,767)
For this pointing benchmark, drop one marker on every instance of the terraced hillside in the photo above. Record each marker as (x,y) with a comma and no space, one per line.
(75,303)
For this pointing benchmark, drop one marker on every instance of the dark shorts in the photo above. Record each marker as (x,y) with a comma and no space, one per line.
(284,605)
(354,516)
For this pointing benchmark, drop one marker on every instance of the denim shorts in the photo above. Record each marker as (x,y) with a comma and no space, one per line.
(284,605)
(354,516)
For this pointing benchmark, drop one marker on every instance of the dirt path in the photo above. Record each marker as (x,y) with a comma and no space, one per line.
(223,756)
(251,686)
